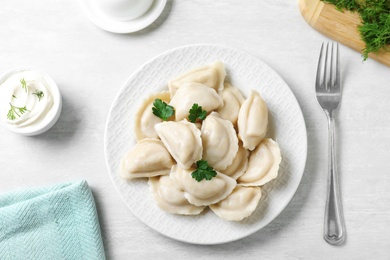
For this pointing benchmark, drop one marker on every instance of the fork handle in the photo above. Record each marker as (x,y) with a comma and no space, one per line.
(334,226)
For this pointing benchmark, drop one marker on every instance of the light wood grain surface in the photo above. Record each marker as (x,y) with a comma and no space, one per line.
(340,26)
(90,65)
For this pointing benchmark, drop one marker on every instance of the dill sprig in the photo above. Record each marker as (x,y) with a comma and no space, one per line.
(39,94)
(375,27)
(24,84)
(16,111)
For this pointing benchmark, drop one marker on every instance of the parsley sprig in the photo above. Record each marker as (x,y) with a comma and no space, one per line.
(375,27)
(196,112)
(39,94)
(203,171)
(162,109)
(16,111)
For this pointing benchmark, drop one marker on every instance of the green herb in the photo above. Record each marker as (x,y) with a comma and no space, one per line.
(13,96)
(203,171)
(196,112)
(375,27)
(162,109)
(24,84)
(341,5)
(39,95)
(15,111)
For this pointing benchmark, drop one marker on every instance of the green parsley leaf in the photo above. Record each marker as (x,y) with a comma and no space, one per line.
(196,112)
(203,171)
(162,109)
(24,84)
(39,94)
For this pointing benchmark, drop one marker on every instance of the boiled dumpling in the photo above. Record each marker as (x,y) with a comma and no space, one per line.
(263,164)
(239,204)
(220,142)
(239,164)
(145,120)
(205,192)
(191,93)
(252,120)
(183,141)
(211,75)
(232,100)
(169,198)
(148,158)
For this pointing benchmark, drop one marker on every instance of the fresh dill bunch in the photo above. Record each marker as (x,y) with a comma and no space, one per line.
(341,5)
(375,30)
(375,27)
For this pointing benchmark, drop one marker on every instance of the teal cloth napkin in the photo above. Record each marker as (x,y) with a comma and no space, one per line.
(56,222)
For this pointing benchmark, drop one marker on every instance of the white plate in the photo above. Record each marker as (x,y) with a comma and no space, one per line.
(109,24)
(244,72)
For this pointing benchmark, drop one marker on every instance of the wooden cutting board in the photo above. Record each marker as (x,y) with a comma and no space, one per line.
(341,27)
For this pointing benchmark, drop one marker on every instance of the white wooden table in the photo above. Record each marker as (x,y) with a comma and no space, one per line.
(90,65)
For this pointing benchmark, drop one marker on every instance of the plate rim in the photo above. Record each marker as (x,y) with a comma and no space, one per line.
(301,117)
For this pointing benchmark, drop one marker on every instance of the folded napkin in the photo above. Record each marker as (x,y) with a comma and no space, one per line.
(56,222)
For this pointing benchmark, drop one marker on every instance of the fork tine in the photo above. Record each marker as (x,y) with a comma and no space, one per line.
(331,69)
(319,69)
(337,84)
(328,87)
(326,81)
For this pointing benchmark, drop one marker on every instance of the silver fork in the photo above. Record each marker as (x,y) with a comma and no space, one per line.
(328,92)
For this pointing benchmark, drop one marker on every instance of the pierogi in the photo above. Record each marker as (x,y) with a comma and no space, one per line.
(220,142)
(212,75)
(148,158)
(232,101)
(145,120)
(239,164)
(205,192)
(252,121)
(239,204)
(263,164)
(194,93)
(171,199)
(183,141)
(205,146)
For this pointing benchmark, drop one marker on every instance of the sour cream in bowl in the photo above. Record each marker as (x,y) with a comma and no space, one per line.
(30,101)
